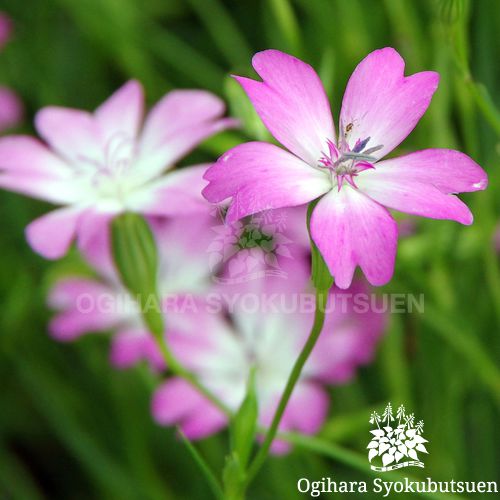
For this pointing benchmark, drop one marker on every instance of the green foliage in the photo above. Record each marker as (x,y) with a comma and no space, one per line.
(73,427)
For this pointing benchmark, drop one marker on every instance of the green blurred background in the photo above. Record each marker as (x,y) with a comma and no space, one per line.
(71,427)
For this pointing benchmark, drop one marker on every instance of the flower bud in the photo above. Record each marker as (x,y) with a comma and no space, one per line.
(136,260)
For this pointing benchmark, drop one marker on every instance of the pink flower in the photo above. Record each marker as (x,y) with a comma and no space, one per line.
(11,109)
(5,29)
(270,338)
(85,305)
(350,224)
(496,238)
(102,163)
(258,246)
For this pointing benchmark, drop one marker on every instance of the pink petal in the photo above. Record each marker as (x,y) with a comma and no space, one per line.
(5,29)
(198,337)
(383,104)
(176,124)
(39,186)
(292,103)
(94,242)
(183,242)
(69,325)
(82,308)
(349,337)
(126,349)
(306,411)
(176,193)
(179,110)
(51,235)
(207,420)
(349,230)
(307,408)
(280,447)
(21,153)
(260,176)
(74,134)
(121,114)
(151,165)
(11,109)
(496,239)
(132,346)
(65,293)
(172,401)
(177,403)
(30,168)
(447,170)
(413,197)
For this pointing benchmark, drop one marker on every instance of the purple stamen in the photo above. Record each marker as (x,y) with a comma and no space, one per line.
(360,145)
(345,163)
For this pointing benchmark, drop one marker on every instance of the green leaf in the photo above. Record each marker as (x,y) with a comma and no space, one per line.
(287,25)
(222,28)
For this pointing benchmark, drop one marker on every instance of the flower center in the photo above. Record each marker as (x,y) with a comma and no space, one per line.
(108,175)
(345,163)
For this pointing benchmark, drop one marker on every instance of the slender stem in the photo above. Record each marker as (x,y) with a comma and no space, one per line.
(319,319)
(207,472)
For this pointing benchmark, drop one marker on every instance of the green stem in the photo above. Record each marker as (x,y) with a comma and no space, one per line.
(207,472)
(319,319)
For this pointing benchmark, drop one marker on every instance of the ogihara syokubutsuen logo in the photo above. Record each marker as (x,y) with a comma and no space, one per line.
(396,440)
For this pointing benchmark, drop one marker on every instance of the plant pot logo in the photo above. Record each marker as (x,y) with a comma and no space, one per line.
(396,441)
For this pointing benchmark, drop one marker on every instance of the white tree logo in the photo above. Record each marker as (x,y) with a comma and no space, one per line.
(396,439)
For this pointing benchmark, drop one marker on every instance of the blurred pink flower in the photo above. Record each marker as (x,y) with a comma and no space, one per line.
(258,246)
(85,305)
(221,354)
(496,238)
(406,227)
(350,224)
(99,164)
(5,29)
(11,109)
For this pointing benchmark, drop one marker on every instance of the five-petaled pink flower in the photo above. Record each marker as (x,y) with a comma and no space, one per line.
(102,163)
(350,224)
